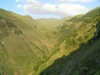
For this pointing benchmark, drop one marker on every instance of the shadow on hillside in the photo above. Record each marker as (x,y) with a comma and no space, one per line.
(67,64)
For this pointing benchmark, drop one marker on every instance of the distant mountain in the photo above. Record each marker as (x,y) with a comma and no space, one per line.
(50,22)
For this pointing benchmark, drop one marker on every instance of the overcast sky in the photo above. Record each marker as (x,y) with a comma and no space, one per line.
(49,8)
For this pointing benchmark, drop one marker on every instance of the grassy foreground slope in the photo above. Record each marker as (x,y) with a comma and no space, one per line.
(22,41)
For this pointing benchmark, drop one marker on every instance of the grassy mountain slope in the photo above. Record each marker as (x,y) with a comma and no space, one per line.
(22,41)
(79,49)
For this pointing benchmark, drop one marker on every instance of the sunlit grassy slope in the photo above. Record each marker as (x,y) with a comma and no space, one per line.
(22,41)
(79,47)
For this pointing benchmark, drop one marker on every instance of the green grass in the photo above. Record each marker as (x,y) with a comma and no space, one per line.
(25,41)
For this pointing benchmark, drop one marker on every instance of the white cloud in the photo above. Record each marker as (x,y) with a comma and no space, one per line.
(74,0)
(62,10)
(19,6)
(17,0)
(33,1)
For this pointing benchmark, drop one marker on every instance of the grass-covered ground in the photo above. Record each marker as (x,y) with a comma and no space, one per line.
(22,41)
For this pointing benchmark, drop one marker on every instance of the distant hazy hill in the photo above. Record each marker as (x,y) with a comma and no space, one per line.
(51,22)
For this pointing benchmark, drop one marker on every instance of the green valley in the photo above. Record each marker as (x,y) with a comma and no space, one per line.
(68,46)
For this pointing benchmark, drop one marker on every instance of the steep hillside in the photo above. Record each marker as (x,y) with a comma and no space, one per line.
(22,41)
(79,47)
